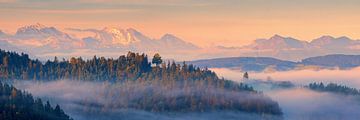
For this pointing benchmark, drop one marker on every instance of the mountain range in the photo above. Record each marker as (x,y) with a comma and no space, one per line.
(42,41)
(289,48)
(334,61)
(45,42)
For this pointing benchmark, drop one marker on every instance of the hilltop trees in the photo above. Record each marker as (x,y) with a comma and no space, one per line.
(188,88)
(133,66)
(157,59)
(246,76)
(335,88)
(20,105)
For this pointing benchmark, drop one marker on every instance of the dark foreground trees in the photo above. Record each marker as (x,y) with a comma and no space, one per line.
(19,105)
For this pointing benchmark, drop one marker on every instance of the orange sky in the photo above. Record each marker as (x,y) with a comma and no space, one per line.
(203,22)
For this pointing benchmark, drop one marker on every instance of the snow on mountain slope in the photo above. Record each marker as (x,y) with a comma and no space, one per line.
(331,43)
(43,40)
(131,39)
(278,42)
(46,41)
(41,36)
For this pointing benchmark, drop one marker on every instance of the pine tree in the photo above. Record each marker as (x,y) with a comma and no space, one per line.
(157,59)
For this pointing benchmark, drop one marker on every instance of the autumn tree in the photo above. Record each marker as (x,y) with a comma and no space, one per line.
(157,59)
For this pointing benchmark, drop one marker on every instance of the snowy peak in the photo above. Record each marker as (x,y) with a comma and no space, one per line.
(33,29)
(175,42)
(279,42)
(277,37)
(39,30)
(329,41)
(170,38)
(117,36)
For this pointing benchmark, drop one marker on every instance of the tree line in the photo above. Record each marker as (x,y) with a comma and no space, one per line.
(130,67)
(20,105)
(136,69)
(333,87)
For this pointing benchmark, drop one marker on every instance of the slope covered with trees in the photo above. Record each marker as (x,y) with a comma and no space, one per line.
(334,88)
(19,105)
(164,87)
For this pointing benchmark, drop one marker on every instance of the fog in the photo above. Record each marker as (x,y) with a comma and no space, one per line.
(349,77)
(299,103)
(104,101)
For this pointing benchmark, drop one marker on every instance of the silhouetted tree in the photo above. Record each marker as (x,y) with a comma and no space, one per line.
(246,76)
(157,59)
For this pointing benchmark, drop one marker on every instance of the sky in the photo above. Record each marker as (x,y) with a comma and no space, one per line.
(202,22)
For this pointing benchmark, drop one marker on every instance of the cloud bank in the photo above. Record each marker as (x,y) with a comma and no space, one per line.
(105,101)
(303,104)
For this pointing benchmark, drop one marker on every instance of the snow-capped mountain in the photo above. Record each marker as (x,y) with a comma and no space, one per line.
(131,39)
(334,44)
(43,40)
(174,42)
(289,48)
(279,43)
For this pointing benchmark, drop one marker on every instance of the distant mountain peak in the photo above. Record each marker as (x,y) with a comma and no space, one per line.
(1,33)
(118,35)
(343,38)
(36,26)
(277,36)
(39,30)
(113,30)
(169,36)
(332,42)
(326,37)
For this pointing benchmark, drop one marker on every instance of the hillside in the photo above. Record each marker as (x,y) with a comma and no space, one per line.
(342,61)
(165,87)
(20,105)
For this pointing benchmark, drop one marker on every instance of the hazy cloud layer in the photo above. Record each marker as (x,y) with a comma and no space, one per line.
(303,104)
(104,101)
(349,77)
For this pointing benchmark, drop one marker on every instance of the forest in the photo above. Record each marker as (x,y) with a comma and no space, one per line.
(154,86)
(20,105)
(334,88)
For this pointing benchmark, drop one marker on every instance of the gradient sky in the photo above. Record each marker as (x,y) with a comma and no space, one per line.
(203,22)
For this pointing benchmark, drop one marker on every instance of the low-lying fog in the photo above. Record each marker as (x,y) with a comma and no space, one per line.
(349,77)
(91,101)
(299,103)
(103,101)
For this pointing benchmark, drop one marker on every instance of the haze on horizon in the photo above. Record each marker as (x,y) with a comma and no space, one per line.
(205,23)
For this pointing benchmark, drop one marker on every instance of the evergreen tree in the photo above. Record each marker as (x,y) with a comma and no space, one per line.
(19,105)
(157,59)
(246,76)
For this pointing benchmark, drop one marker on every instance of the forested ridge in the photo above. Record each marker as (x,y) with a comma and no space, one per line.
(20,105)
(161,86)
(334,88)
(130,67)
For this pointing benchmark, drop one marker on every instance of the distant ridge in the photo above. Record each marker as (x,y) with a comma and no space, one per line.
(39,40)
(46,41)
(262,63)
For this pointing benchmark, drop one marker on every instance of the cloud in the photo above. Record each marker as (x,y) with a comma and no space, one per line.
(105,101)
(303,104)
